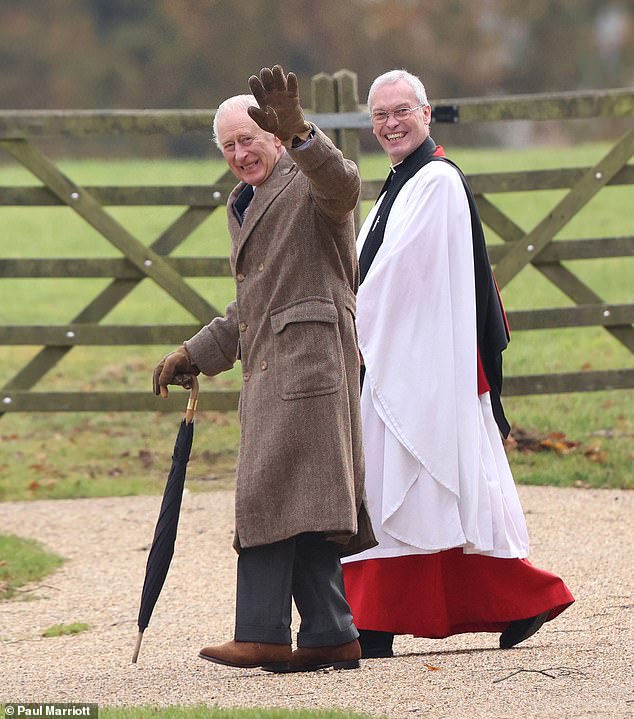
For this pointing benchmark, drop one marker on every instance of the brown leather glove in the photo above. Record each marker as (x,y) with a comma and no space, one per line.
(175,368)
(279,111)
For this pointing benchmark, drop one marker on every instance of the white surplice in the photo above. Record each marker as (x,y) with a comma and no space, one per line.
(437,476)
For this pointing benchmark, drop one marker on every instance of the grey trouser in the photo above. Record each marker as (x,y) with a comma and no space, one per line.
(305,568)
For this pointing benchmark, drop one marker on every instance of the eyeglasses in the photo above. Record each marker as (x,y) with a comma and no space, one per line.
(379,117)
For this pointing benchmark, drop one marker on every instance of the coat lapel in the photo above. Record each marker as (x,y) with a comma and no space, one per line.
(282,174)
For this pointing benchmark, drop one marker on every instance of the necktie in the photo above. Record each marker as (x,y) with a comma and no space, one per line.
(242,201)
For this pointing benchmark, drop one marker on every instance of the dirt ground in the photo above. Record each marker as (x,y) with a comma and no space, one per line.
(579,665)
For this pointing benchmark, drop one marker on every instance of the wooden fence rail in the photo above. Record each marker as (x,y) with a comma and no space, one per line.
(336,109)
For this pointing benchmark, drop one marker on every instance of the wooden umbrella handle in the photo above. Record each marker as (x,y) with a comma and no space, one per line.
(193,400)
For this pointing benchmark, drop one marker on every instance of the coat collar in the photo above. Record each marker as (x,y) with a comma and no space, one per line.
(283,172)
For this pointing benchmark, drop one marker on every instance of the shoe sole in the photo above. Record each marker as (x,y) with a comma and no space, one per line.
(278,666)
(379,654)
(349,664)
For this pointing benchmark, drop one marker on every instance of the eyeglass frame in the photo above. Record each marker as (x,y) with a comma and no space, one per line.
(387,113)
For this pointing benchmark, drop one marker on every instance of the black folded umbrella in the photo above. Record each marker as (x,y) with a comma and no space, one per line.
(162,548)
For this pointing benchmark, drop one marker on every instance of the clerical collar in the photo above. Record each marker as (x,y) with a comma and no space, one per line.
(414,159)
(399,175)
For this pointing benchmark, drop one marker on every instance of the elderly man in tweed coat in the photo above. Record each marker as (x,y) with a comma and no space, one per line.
(299,502)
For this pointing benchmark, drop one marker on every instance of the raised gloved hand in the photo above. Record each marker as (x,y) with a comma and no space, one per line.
(279,111)
(175,368)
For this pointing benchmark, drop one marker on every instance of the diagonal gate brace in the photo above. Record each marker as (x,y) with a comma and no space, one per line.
(84,204)
(529,247)
(565,280)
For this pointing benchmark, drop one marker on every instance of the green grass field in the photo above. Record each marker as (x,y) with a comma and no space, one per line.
(571,440)
(23,561)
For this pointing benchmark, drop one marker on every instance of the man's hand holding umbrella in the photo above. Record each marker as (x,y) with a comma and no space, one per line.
(175,368)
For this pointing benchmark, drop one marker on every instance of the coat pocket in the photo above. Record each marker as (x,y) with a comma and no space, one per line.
(307,348)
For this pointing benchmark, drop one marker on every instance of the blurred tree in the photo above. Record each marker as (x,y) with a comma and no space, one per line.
(193,53)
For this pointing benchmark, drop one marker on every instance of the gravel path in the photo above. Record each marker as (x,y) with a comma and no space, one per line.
(585,535)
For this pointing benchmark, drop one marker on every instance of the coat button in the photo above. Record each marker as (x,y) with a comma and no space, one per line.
(261,267)
(264,365)
(243,326)
(240,277)
(246,376)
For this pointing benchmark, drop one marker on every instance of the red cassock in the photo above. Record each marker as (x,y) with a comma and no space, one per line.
(449,592)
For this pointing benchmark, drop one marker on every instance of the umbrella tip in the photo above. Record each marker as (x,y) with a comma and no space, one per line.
(135,655)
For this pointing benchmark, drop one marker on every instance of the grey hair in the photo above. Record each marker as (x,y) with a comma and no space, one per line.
(392,76)
(237,102)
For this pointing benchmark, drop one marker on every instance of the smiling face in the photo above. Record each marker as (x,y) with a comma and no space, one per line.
(250,152)
(399,138)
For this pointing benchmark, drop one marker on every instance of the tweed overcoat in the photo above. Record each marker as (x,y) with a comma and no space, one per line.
(292,325)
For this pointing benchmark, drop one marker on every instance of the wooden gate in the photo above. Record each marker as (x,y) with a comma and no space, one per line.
(335,109)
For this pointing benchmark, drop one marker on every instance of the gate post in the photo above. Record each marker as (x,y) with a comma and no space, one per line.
(348,139)
(324,98)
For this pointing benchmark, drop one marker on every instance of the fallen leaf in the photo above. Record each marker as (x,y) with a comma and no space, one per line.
(558,443)
(596,454)
(523,440)
(146,457)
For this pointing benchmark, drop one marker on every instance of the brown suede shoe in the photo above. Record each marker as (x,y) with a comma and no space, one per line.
(309,659)
(249,654)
